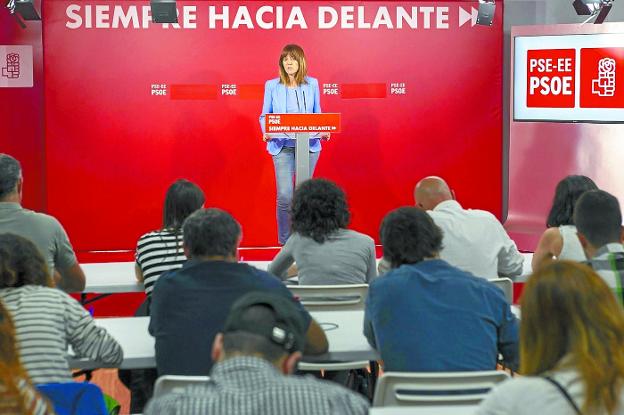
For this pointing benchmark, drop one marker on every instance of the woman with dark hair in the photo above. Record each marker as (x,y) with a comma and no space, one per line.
(292,92)
(158,252)
(17,394)
(324,250)
(571,353)
(560,240)
(46,319)
(161,250)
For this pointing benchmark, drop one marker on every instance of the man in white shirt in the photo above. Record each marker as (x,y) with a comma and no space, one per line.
(473,240)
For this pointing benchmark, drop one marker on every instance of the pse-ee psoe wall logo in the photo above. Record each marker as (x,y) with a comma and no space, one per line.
(551,78)
(16,66)
(602,83)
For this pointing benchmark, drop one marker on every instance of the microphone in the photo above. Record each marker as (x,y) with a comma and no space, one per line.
(297,97)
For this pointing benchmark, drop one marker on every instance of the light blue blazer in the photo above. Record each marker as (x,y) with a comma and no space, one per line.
(275,101)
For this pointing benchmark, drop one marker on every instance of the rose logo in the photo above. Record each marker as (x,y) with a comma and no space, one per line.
(606,65)
(13,58)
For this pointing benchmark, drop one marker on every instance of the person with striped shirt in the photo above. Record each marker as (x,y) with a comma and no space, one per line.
(161,250)
(258,348)
(157,253)
(46,319)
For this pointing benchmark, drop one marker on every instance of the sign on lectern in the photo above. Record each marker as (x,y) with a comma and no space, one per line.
(303,127)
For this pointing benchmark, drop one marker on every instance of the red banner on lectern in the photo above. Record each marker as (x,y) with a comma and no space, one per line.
(302,123)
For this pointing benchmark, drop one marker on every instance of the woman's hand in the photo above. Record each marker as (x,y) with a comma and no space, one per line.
(266,137)
(325,136)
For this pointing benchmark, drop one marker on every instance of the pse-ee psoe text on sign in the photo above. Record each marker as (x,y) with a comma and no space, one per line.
(302,123)
(581,82)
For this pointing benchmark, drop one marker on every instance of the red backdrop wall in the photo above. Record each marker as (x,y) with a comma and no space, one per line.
(113,147)
(21,112)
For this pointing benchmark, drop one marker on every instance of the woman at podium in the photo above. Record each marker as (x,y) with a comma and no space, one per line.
(292,92)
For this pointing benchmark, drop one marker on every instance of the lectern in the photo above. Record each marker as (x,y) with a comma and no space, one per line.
(302,126)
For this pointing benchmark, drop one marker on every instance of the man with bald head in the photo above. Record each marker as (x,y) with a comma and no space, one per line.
(431,191)
(473,240)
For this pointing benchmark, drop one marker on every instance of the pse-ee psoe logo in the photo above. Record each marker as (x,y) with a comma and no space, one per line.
(551,78)
(601,83)
(16,66)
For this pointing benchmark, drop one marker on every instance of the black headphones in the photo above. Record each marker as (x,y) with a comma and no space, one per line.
(283,337)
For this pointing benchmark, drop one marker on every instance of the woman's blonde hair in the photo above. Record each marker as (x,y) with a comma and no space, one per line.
(568,310)
(11,397)
(295,52)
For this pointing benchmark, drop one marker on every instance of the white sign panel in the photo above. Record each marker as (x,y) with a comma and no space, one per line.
(16,66)
(569,78)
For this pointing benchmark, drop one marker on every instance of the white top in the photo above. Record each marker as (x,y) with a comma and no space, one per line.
(534,395)
(571,248)
(475,241)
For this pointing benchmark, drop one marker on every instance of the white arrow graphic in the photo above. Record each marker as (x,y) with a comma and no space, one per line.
(464,16)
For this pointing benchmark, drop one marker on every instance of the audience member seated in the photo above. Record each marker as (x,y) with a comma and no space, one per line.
(158,252)
(560,240)
(161,250)
(472,240)
(45,231)
(47,320)
(189,306)
(571,338)
(261,342)
(17,394)
(598,219)
(426,315)
(325,252)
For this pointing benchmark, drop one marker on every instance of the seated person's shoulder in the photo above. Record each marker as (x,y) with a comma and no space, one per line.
(509,394)
(182,402)
(264,277)
(329,390)
(483,214)
(42,220)
(360,236)
(45,297)
(169,278)
(148,236)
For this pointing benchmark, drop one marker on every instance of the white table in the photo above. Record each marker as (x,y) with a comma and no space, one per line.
(111,277)
(346,342)
(119,277)
(425,410)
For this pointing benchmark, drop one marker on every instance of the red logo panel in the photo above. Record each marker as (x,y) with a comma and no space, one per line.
(602,78)
(550,78)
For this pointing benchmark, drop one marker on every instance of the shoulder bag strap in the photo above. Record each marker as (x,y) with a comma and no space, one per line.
(565,394)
